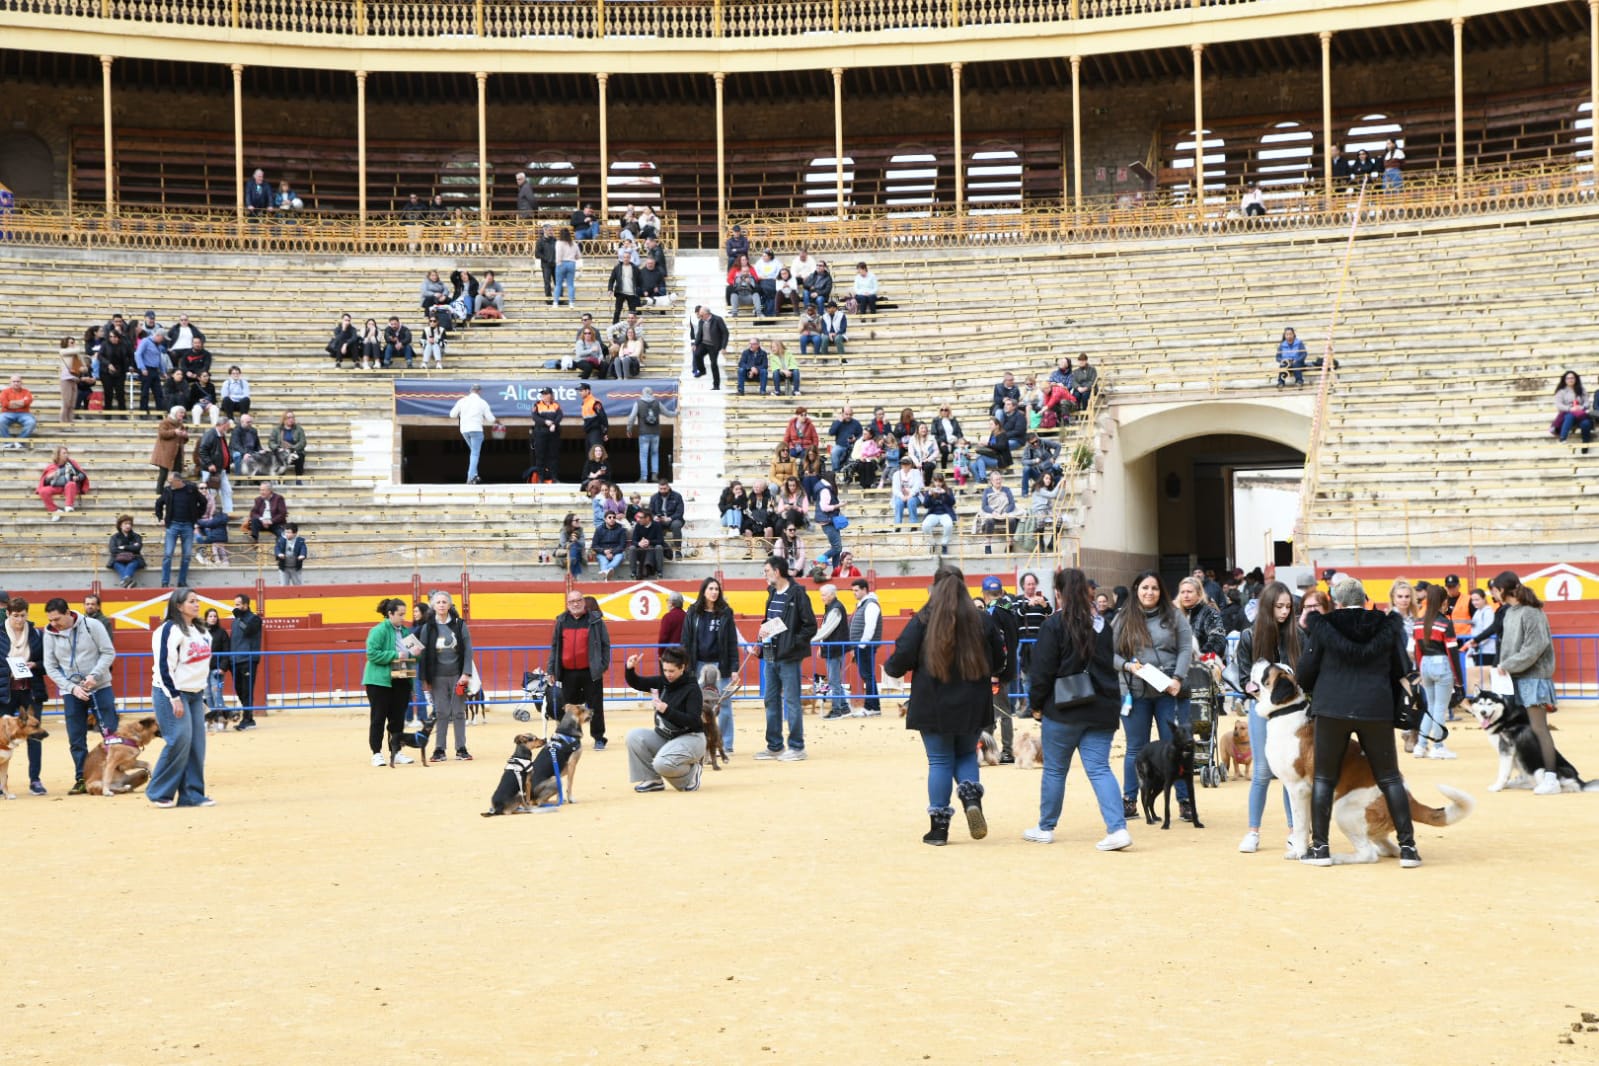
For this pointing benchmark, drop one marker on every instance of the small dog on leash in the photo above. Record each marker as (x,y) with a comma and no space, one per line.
(413,738)
(987,749)
(710,694)
(559,755)
(1029,752)
(1160,767)
(1234,751)
(511,796)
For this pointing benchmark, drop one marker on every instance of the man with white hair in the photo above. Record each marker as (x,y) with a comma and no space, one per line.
(832,635)
(525,203)
(645,419)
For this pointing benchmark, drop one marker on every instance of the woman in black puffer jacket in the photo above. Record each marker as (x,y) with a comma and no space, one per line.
(1352,670)
(1203,617)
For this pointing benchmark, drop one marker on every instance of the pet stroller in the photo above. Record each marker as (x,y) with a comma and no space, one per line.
(537,692)
(1206,694)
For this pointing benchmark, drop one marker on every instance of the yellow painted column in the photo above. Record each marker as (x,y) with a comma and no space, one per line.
(110,160)
(360,144)
(1328,140)
(1077,136)
(1199,128)
(238,141)
(838,137)
(1593,88)
(605,153)
(722,223)
(960,156)
(483,152)
(1460,105)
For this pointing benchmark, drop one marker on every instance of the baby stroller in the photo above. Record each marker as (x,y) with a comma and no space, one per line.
(1205,694)
(537,692)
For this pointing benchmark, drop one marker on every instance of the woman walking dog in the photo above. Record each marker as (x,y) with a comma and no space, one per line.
(956,652)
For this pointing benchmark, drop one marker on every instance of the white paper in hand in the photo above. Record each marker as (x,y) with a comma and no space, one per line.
(1153,677)
(771,628)
(1500,683)
(20,670)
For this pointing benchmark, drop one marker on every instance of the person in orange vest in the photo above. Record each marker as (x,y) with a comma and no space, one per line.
(595,424)
(546,435)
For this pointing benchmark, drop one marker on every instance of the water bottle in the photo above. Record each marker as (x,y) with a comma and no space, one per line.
(1127,704)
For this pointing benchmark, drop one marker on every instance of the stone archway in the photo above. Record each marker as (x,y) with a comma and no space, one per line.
(27,166)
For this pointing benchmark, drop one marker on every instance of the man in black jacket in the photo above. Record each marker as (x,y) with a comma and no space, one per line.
(785,644)
(1005,612)
(580,653)
(672,749)
(178,508)
(647,556)
(546,438)
(626,284)
(1353,665)
(244,644)
(544,252)
(397,342)
(214,458)
(709,336)
(845,431)
(667,506)
(257,196)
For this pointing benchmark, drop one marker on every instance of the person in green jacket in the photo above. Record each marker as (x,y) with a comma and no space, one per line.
(387,694)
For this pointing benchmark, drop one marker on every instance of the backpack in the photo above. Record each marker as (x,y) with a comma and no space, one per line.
(650,414)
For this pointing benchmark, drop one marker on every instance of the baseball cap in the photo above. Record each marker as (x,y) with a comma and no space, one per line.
(1452,580)
(992,586)
(1305,581)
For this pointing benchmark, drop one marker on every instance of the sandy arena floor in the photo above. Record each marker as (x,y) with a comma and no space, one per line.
(329,912)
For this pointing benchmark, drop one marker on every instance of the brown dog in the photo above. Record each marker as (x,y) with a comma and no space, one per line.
(14,732)
(115,765)
(1029,751)
(1233,750)
(710,694)
(558,755)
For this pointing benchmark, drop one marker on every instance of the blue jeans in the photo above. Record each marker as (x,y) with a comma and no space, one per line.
(17,418)
(1166,713)
(180,772)
(649,456)
(214,698)
(811,342)
(589,232)
(474,445)
(566,278)
(1571,420)
(866,665)
(835,543)
(127,570)
(1260,774)
(1059,740)
(574,559)
(176,532)
(951,758)
(980,468)
(733,518)
(76,713)
(1438,682)
(791,376)
(904,508)
(1297,366)
(743,378)
(782,689)
(835,683)
(836,455)
(1392,178)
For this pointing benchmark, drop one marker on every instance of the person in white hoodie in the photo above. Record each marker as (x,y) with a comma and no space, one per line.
(78,654)
(181,666)
(473,412)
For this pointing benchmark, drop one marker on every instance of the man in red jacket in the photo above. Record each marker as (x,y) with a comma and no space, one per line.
(269,512)
(671,632)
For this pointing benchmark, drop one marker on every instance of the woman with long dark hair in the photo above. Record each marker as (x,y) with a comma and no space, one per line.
(1571,408)
(221,661)
(1435,640)
(710,641)
(1075,641)
(956,652)
(1150,631)
(181,651)
(1527,654)
(387,679)
(1274,638)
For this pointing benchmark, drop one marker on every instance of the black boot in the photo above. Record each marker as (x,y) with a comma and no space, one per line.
(1321,801)
(971,794)
(938,834)
(1398,798)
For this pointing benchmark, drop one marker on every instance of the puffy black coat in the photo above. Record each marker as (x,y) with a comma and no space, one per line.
(1205,622)
(727,638)
(946,707)
(1353,665)
(1053,657)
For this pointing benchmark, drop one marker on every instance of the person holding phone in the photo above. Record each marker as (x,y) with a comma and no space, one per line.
(673,748)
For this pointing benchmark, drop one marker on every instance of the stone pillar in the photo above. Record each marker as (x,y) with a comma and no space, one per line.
(1459,25)
(605,156)
(1199,128)
(1328,141)
(238,141)
(360,144)
(110,159)
(960,154)
(483,149)
(1077,135)
(722,222)
(838,136)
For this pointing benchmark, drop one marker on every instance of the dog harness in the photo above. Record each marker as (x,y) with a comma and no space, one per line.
(114,740)
(519,766)
(561,746)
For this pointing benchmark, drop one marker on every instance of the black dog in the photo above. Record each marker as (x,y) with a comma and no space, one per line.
(511,796)
(412,738)
(1160,767)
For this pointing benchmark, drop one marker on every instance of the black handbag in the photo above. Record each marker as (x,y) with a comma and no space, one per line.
(1074,690)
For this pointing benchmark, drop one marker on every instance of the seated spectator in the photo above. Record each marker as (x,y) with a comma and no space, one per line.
(785,367)
(288,436)
(1032,403)
(865,290)
(668,507)
(490,294)
(371,345)
(803,267)
(995,452)
(345,343)
(791,547)
(649,224)
(16,409)
(760,516)
(62,477)
(610,543)
(997,509)
(588,355)
(290,552)
(905,428)
(938,507)
(783,465)
(585,224)
(1571,408)
(235,393)
(433,340)
(211,531)
(789,294)
(433,291)
(652,280)
(397,343)
(819,289)
(794,503)
(867,460)
(646,555)
(1005,390)
(203,399)
(285,203)
(905,490)
(961,456)
(269,513)
(922,450)
(766,271)
(181,337)
(846,566)
(125,552)
(811,335)
(812,466)
(1042,509)
(462,303)
(743,287)
(946,431)
(1084,378)
(414,210)
(845,431)
(731,505)
(1013,421)
(835,328)
(245,440)
(597,468)
(752,366)
(627,358)
(1253,202)
(1038,457)
(617,332)
(1291,355)
(800,434)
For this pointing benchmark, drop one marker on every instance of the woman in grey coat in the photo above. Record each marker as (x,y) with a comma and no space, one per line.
(1151,631)
(445,659)
(1527,654)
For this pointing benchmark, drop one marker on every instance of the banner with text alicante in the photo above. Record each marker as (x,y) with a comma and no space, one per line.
(513,400)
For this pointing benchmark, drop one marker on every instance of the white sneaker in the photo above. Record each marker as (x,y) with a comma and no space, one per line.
(1420,752)
(55,516)
(1251,842)
(1548,784)
(1441,752)
(1118,840)
(403,760)
(1039,836)
(379,760)
(693,783)
(790,755)
(69,510)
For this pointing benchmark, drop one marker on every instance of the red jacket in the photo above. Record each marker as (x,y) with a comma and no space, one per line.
(270,510)
(805,438)
(671,634)
(50,472)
